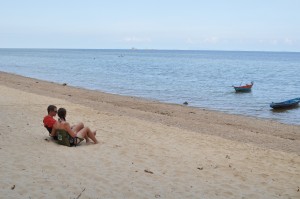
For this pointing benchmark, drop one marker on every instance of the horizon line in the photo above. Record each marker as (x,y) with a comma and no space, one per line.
(150,49)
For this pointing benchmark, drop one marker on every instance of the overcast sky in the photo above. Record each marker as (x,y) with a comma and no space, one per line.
(261,25)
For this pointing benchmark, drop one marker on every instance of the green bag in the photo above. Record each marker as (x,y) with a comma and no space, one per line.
(64,138)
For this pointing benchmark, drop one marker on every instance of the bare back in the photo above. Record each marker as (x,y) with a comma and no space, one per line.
(62,125)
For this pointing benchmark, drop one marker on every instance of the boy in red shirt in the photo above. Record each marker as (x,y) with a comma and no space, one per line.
(49,120)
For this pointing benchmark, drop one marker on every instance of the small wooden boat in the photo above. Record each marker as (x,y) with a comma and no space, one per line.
(285,104)
(244,88)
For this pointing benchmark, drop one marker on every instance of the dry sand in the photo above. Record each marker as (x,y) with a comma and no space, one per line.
(148,149)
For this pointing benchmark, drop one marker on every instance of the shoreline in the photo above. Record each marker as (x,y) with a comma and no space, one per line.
(247,129)
(147,149)
(192,81)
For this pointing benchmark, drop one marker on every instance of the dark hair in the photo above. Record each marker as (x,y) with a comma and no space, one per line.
(62,113)
(51,108)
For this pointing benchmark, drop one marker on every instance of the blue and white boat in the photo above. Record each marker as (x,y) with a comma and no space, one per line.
(285,104)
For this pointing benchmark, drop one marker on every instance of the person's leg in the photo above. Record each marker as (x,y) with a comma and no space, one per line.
(92,135)
(77,127)
(88,140)
(86,132)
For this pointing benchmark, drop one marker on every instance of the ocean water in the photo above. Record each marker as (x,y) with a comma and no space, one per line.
(202,78)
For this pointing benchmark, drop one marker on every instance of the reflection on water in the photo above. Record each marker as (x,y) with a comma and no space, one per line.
(284,110)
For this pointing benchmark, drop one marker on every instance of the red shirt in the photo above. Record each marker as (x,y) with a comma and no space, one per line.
(49,121)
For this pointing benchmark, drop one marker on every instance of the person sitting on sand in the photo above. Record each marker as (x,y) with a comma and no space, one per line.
(49,121)
(61,124)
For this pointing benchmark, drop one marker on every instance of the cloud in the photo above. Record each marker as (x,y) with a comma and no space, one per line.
(288,41)
(134,39)
(274,42)
(279,41)
(211,40)
(206,40)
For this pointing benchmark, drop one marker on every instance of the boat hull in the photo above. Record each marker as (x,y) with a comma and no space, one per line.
(244,89)
(285,104)
(240,89)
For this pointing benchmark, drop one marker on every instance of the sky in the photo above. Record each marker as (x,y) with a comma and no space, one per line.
(248,25)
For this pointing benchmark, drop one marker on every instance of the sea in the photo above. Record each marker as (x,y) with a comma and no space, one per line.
(204,79)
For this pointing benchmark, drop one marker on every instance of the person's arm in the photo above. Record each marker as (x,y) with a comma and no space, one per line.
(53,132)
(69,130)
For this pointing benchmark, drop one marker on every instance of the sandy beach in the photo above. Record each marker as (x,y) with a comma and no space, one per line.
(147,149)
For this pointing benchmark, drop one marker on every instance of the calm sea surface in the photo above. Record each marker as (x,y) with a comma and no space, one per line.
(202,78)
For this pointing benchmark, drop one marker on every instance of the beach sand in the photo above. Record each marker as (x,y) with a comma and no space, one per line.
(147,149)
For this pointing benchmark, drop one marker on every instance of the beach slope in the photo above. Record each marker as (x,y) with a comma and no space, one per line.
(147,149)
